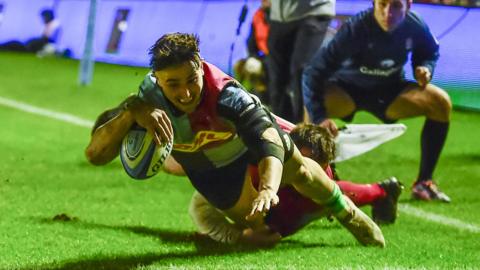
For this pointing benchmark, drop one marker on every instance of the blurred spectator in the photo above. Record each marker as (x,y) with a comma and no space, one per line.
(252,71)
(257,40)
(42,45)
(297,30)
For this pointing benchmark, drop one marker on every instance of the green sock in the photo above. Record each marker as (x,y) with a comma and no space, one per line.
(337,203)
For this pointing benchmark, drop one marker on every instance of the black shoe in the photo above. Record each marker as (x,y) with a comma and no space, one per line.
(384,211)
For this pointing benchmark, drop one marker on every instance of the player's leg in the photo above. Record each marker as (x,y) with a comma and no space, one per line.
(280,46)
(310,180)
(310,33)
(433,103)
(362,194)
(382,196)
(338,103)
(213,223)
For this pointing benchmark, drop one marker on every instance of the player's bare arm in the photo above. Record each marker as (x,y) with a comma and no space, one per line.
(270,171)
(106,138)
(108,132)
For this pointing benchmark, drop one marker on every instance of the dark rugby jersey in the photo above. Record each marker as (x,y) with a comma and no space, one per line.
(208,137)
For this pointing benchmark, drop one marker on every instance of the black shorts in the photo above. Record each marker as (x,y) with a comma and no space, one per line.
(375,101)
(222,186)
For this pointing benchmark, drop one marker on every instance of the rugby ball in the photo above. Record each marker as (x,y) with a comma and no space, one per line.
(141,157)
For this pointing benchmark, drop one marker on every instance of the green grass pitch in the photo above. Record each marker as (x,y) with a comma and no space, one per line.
(114,222)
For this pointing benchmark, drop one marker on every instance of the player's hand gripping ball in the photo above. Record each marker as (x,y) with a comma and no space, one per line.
(141,157)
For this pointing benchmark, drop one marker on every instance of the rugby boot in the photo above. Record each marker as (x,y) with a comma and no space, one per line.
(384,211)
(362,226)
(428,191)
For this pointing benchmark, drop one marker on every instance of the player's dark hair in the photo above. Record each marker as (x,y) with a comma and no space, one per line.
(174,49)
(317,138)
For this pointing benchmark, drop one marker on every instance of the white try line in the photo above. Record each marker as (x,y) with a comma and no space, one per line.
(72,119)
(452,222)
(65,117)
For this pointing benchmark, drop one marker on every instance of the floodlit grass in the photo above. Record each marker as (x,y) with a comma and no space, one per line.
(59,212)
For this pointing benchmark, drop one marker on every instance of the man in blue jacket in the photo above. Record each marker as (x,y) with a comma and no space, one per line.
(362,69)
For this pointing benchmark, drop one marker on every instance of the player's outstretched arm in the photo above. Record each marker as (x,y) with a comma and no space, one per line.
(270,171)
(254,125)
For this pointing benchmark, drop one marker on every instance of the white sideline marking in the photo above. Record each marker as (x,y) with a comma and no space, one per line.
(413,211)
(406,209)
(65,117)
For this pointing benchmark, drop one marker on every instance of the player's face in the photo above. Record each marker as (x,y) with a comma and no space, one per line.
(389,14)
(182,85)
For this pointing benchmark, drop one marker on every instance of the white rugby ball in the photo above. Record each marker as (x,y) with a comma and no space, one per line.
(141,157)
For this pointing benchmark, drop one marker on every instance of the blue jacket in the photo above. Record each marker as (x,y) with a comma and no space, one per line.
(364,55)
